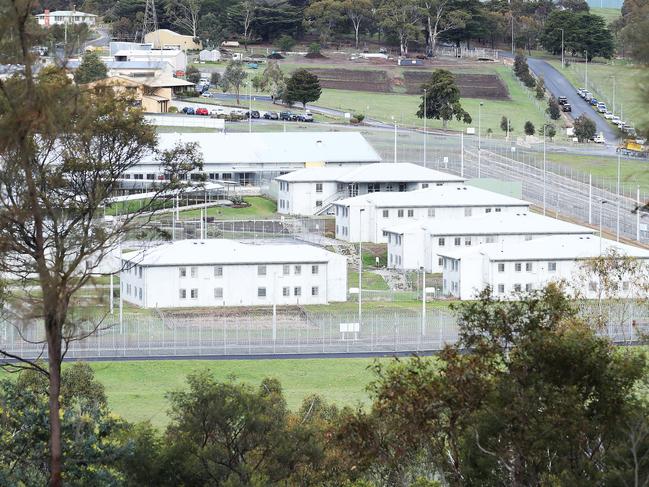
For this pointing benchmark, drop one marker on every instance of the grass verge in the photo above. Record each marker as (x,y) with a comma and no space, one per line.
(260,207)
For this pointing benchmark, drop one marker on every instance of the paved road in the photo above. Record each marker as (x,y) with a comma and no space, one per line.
(558,85)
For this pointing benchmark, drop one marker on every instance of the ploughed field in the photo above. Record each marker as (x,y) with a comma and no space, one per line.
(483,86)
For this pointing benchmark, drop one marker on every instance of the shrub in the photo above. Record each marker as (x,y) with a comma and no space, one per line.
(172,109)
(529,128)
(314,48)
(359,116)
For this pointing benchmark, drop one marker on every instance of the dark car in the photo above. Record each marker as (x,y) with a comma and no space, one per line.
(286,116)
(271,116)
(254,114)
(563,100)
(566,107)
(188,110)
(593,101)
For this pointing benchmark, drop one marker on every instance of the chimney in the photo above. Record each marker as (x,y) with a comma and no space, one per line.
(46,19)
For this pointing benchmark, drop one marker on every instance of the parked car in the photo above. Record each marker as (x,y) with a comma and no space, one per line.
(593,102)
(608,115)
(601,107)
(286,116)
(205,94)
(563,100)
(581,92)
(271,116)
(566,107)
(188,110)
(615,120)
(599,139)
(308,117)
(254,114)
(588,96)
(202,111)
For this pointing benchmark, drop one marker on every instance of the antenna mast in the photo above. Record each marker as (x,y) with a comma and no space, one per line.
(150,19)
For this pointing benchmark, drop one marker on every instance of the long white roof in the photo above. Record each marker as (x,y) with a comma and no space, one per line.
(275,147)
(384,172)
(438,196)
(559,247)
(523,223)
(223,251)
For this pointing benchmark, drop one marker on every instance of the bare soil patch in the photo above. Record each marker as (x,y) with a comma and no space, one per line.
(355,80)
(485,86)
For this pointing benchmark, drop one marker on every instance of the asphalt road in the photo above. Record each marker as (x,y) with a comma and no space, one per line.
(558,85)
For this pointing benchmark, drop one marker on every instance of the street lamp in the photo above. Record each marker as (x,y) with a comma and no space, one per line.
(479,135)
(545,127)
(423,298)
(395,141)
(601,208)
(562,61)
(250,107)
(586,76)
(360,265)
(425,133)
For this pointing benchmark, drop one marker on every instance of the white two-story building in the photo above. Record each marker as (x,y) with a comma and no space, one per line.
(514,267)
(312,191)
(363,218)
(417,244)
(209,273)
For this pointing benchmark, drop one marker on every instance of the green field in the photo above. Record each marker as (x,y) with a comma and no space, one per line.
(370,280)
(136,390)
(609,14)
(629,102)
(260,207)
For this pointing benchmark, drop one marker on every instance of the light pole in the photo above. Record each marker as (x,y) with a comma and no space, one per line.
(425,117)
(617,232)
(562,61)
(479,135)
(360,265)
(586,76)
(395,141)
(614,90)
(423,300)
(544,171)
(601,208)
(250,107)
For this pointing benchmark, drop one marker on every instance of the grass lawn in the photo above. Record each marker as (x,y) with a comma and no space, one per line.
(260,207)
(385,106)
(629,102)
(609,14)
(136,390)
(371,280)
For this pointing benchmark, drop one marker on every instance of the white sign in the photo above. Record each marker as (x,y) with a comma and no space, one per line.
(430,290)
(350,327)
(348,115)
(470,130)
(353,290)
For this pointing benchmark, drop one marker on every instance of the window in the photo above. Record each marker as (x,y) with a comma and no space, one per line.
(467,240)
(498,210)
(150,176)
(501,288)
(517,288)
(315,291)
(373,187)
(529,287)
(318,187)
(487,210)
(518,267)
(140,272)
(528,237)
(424,185)
(552,266)
(528,267)
(261,292)
(431,212)
(625,285)
(261,270)
(491,239)
(139,293)
(128,289)
(297,270)
(286,291)
(411,213)
(318,203)
(440,261)
(402,187)
(297,291)
(457,241)
(194,293)
(501,267)
(183,293)
(218,271)
(592,286)
(388,187)
(218,292)
(386,213)
(286,269)
(468,211)
(193,271)
(182,271)
(315,269)
(400,213)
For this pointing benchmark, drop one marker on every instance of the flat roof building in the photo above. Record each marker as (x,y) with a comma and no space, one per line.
(516,267)
(413,245)
(62,17)
(313,190)
(212,273)
(247,158)
(166,39)
(364,217)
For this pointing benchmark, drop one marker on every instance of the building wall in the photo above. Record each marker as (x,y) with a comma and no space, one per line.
(375,220)
(302,198)
(239,284)
(161,38)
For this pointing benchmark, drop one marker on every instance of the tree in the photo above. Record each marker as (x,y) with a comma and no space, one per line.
(442,16)
(64,150)
(540,89)
(442,99)
(193,75)
(403,18)
(241,16)
(529,128)
(585,128)
(505,125)
(303,87)
(285,43)
(522,70)
(91,69)
(234,77)
(553,110)
(211,30)
(215,78)
(357,11)
(184,14)
(549,130)
(324,15)
(272,80)
(583,33)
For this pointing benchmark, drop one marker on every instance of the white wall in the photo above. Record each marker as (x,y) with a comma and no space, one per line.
(302,198)
(239,283)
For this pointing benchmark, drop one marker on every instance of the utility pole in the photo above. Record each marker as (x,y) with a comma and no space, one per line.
(544,171)
(586,76)
(360,266)
(618,199)
(479,136)
(425,133)
(423,300)
(562,56)
(395,141)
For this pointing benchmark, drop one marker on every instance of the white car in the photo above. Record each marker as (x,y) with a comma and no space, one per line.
(608,115)
(615,120)
(599,139)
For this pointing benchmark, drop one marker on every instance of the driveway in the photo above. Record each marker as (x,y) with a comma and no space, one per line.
(558,85)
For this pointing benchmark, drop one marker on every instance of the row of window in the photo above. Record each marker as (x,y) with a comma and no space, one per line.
(134,291)
(342,230)
(194,176)
(262,270)
(431,212)
(261,292)
(395,259)
(529,266)
(132,269)
(517,288)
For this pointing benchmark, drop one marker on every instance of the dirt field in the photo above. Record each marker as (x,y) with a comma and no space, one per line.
(355,80)
(484,86)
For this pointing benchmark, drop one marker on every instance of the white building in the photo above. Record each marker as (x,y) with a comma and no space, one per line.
(62,17)
(364,217)
(512,267)
(312,191)
(415,244)
(207,273)
(210,56)
(247,158)
(175,57)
